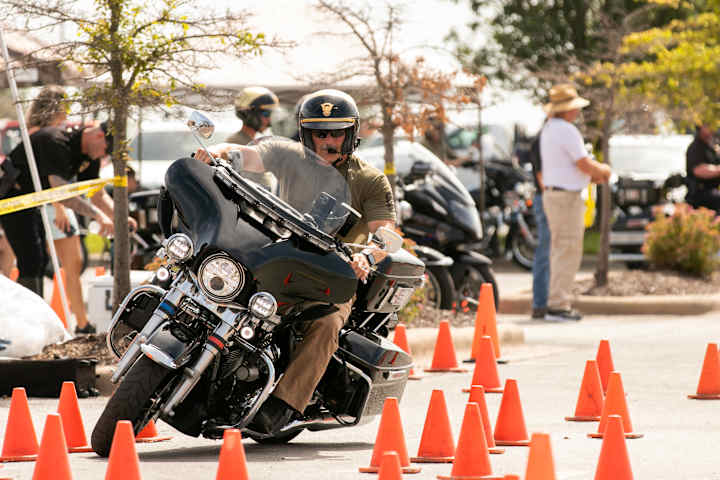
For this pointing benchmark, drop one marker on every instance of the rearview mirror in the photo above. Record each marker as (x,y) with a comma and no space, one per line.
(392,240)
(201,125)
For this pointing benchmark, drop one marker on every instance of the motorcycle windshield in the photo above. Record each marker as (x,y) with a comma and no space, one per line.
(296,180)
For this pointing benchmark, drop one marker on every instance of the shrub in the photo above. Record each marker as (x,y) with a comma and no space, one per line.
(688,241)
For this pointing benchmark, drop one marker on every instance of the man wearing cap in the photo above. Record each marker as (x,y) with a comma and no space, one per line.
(62,155)
(567,168)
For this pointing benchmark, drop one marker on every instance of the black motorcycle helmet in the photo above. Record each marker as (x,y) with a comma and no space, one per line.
(252,102)
(329,110)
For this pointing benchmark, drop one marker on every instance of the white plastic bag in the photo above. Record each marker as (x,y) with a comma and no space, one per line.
(27,323)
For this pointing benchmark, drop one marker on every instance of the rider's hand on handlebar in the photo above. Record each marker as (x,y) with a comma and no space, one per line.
(360,266)
(204,157)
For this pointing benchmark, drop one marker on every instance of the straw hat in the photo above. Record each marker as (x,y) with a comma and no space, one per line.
(564,98)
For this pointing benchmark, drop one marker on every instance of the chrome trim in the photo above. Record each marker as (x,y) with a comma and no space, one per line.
(121,309)
(158,356)
(235,292)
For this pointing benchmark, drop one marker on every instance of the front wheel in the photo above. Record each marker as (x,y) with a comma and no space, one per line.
(473,278)
(137,399)
(522,251)
(440,288)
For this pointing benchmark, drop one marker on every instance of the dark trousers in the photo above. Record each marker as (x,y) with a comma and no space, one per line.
(25,232)
(708,198)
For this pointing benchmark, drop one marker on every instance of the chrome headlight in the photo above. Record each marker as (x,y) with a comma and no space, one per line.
(221,278)
(179,248)
(262,305)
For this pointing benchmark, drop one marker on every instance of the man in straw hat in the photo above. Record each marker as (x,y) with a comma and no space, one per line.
(567,168)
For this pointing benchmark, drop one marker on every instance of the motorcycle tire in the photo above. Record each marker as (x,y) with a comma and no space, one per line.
(131,400)
(276,440)
(474,277)
(522,253)
(443,288)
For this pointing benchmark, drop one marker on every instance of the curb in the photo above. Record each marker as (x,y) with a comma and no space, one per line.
(421,341)
(645,305)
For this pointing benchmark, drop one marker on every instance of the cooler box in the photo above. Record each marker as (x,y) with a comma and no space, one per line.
(100,297)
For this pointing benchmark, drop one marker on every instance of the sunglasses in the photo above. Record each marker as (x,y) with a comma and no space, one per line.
(266,113)
(325,133)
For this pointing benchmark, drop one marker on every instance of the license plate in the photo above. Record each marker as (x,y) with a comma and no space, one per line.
(401,296)
(627,238)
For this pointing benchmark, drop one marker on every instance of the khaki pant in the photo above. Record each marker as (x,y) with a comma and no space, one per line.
(565,214)
(311,358)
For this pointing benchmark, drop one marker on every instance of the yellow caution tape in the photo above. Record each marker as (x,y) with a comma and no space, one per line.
(57,194)
(390,169)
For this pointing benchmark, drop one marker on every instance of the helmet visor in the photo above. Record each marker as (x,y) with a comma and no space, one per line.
(327,123)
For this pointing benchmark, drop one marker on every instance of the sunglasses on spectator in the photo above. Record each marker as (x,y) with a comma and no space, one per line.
(325,133)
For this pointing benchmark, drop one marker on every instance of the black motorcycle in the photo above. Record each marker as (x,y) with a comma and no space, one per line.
(507,217)
(445,217)
(202,347)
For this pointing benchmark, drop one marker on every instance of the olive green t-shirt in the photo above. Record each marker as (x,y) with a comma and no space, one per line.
(370,192)
(239,137)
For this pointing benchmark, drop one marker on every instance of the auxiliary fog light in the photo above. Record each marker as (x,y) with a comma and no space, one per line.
(179,247)
(262,305)
(247,332)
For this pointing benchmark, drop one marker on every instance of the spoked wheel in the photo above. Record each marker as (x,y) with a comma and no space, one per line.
(137,399)
(472,280)
(523,252)
(440,288)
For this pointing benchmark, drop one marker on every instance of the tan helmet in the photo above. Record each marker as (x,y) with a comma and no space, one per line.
(252,103)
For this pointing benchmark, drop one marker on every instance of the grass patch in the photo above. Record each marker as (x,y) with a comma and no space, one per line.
(591,242)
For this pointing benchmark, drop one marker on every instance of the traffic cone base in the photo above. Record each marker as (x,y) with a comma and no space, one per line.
(487,390)
(20,443)
(444,357)
(627,435)
(496,450)
(583,419)
(471,477)
(377,469)
(512,443)
(709,385)
(436,443)
(149,434)
(415,377)
(390,437)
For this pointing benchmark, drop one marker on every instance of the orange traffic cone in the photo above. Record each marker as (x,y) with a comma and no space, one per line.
(53,462)
(400,339)
(709,385)
(99,271)
(436,444)
(149,434)
(14,274)
(55,301)
(471,456)
(540,464)
(20,443)
(69,411)
(590,400)
(485,372)
(485,321)
(389,467)
(614,462)
(390,437)
(604,363)
(232,464)
(615,405)
(123,463)
(510,426)
(477,395)
(444,358)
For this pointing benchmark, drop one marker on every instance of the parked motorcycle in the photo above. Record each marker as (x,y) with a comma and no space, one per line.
(508,220)
(445,217)
(203,346)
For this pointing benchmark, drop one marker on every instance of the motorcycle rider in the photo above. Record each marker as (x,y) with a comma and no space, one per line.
(703,171)
(254,106)
(328,123)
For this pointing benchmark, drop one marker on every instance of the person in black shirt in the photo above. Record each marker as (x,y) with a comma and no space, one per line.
(62,155)
(703,171)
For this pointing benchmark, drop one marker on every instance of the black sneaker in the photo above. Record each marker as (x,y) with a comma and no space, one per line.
(272,416)
(86,330)
(539,312)
(562,316)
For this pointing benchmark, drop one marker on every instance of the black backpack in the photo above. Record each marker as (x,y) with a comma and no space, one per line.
(8,176)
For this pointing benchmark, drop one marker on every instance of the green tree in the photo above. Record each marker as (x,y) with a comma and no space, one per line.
(676,65)
(536,44)
(132,53)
